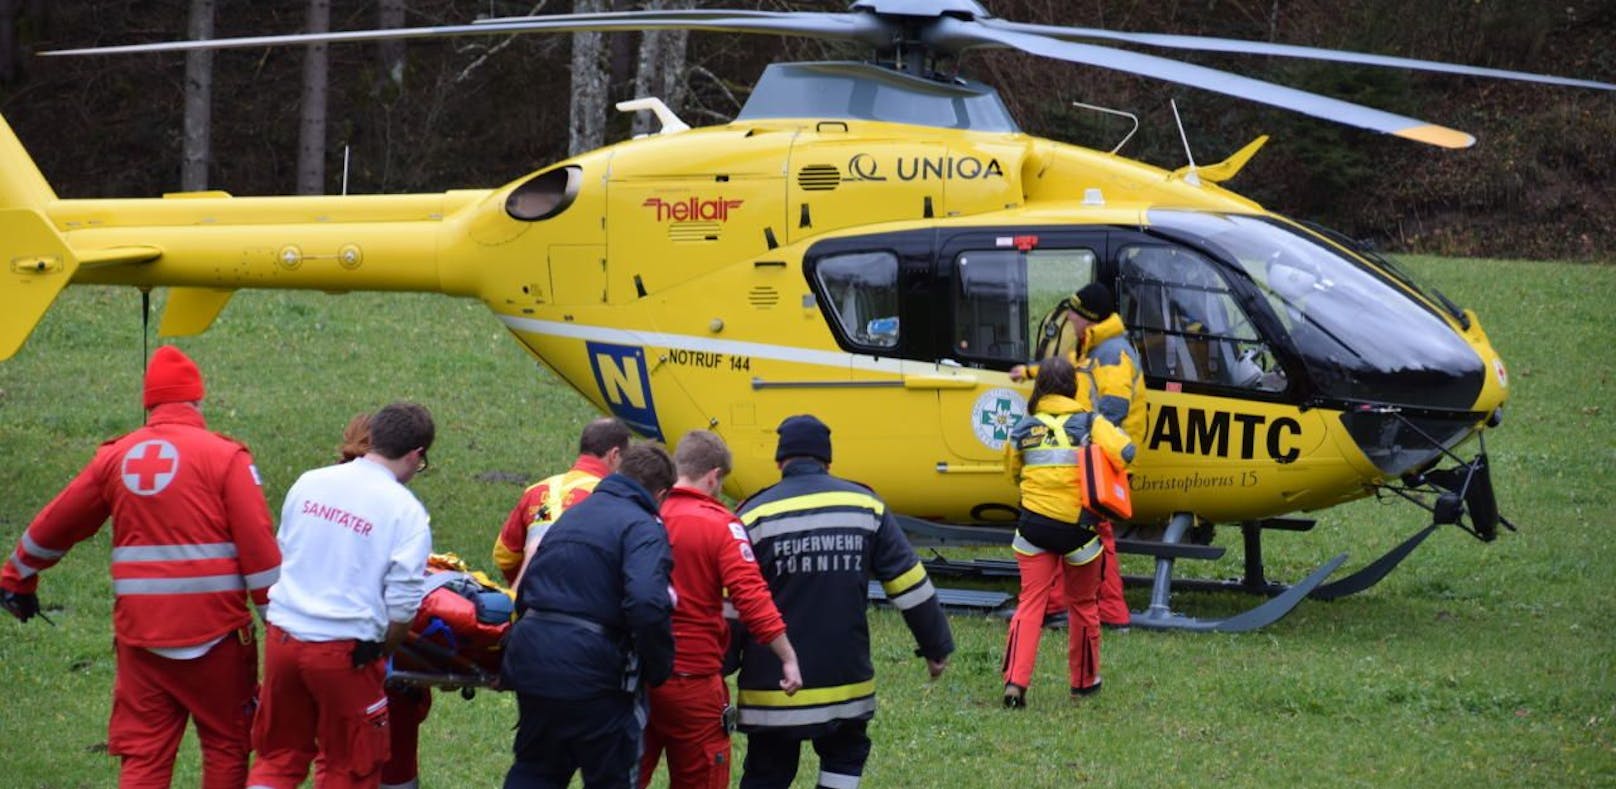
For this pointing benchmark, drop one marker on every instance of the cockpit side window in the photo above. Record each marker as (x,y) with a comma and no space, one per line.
(1003,296)
(1187,324)
(860,290)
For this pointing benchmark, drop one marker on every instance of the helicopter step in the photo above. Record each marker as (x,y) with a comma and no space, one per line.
(965,600)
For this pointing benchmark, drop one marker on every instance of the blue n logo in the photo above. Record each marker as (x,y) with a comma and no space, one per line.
(621,377)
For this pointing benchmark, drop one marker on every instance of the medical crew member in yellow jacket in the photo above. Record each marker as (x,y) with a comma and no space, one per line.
(1110,382)
(1056,546)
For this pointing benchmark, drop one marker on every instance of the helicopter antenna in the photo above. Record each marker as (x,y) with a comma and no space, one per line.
(1189,177)
(1109,111)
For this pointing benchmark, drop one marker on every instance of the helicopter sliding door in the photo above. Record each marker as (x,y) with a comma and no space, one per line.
(999,284)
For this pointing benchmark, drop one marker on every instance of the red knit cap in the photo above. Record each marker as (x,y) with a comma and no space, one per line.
(172,378)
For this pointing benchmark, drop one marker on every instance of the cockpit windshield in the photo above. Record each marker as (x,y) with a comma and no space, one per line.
(1362,337)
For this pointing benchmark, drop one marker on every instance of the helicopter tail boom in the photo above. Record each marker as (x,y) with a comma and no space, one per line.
(205,245)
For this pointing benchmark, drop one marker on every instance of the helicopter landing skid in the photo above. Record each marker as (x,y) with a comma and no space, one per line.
(1255,582)
(1160,616)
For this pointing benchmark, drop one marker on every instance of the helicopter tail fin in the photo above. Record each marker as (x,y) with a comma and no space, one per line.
(35,261)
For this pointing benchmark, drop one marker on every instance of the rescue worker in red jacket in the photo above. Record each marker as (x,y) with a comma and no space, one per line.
(1056,545)
(1110,382)
(599,450)
(191,542)
(712,554)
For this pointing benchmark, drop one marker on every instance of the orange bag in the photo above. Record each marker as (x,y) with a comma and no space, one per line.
(1104,485)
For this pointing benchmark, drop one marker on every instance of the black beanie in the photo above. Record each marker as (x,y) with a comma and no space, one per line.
(1093,301)
(803,435)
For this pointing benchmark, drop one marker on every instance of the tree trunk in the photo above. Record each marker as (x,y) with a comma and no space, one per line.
(672,66)
(9,56)
(198,102)
(661,66)
(390,15)
(587,125)
(311,130)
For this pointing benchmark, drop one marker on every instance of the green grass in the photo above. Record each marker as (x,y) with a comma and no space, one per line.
(1472,664)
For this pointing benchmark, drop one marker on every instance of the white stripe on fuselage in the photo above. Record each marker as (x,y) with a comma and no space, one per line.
(756,350)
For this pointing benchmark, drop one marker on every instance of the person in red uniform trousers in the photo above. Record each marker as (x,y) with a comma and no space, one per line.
(599,450)
(407,707)
(712,554)
(355,541)
(191,542)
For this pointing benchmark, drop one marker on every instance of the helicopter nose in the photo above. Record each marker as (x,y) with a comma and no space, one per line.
(1406,436)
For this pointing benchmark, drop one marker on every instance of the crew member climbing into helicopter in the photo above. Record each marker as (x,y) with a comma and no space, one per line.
(1055,543)
(599,448)
(1110,381)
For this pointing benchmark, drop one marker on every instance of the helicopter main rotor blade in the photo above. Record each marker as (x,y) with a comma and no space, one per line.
(862,28)
(959,35)
(1239,47)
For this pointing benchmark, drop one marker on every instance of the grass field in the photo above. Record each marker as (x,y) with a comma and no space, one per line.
(1471,665)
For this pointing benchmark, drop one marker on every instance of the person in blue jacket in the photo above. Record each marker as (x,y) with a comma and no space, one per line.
(594,629)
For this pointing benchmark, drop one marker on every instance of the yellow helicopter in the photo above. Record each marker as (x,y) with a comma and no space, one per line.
(878,243)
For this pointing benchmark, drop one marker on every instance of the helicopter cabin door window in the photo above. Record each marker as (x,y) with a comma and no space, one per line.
(860,291)
(1005,300)
(1188,326)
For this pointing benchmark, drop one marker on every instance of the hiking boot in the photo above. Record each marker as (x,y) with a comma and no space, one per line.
(1015,696)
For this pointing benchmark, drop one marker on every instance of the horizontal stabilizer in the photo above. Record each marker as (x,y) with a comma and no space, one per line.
(1228,168)
(37,265)
(191,311)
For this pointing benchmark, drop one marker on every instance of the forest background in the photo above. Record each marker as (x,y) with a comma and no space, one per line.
(480,111)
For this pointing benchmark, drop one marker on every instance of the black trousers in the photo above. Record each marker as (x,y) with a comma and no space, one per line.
(771,756)
(599,737)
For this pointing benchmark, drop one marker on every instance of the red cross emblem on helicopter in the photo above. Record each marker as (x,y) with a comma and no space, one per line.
(149,466)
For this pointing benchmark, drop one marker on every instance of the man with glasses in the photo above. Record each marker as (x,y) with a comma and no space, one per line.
(355,543)
(712,554)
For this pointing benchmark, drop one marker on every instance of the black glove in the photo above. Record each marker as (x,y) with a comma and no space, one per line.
(22,605)
(366,652)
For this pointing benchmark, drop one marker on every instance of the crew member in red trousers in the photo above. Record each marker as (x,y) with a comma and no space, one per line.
(355,541)
(711,554)
(1056,545)
(191,541)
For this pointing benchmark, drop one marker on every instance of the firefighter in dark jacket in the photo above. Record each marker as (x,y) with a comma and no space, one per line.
(818,540)
(594,628)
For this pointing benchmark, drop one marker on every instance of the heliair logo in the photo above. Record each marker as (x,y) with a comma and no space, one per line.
(692,209)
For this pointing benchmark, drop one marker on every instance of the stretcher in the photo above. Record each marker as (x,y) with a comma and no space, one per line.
(457,638)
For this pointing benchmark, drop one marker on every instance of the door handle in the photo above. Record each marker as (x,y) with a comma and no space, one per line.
(939,382)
